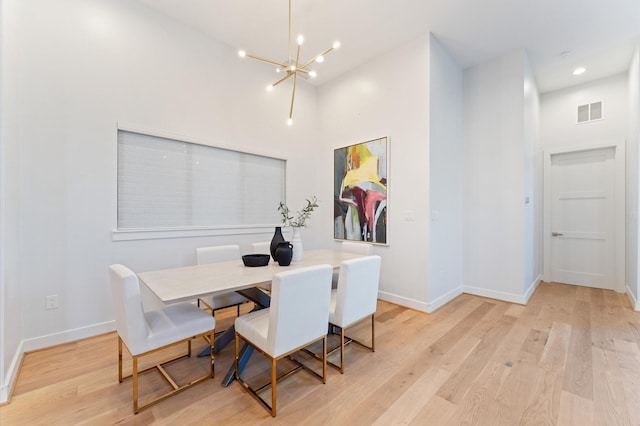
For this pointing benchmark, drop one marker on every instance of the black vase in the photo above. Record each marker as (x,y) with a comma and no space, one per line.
(284,253)
(277,239)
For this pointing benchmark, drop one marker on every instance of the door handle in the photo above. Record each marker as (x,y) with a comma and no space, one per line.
(556,234)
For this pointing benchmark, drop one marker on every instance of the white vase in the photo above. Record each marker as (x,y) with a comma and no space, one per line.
(296,241)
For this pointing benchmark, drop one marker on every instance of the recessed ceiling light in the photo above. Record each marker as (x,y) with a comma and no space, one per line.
(579,70)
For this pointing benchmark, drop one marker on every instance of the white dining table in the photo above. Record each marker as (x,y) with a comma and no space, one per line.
(189,282)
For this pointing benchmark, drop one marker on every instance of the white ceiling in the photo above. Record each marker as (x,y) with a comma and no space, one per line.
(598,33)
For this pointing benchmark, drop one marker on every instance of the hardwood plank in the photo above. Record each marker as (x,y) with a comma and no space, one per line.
(609,400)
(575,410)
(437,411)
(408,406)
(544,406)
(516,310)
(583,294)
(452,360)
(578,377)
(554,355)
(533,346)
(477,406)
(518,390)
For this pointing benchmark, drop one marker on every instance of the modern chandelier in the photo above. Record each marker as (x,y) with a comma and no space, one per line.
(292,68)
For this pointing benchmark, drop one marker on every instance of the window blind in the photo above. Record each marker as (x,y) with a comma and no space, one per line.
(166,183)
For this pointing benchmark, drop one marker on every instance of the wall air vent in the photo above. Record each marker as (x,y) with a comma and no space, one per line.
(590,112)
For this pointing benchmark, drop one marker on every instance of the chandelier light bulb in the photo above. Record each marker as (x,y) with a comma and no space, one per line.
(336,44)
(300,39)
(320,59)
(269,87)
(313,74)
(289,122)
(242,53)
(293,67)
(579,71)
(278,69)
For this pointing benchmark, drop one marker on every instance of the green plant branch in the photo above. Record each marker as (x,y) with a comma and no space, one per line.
(301,216)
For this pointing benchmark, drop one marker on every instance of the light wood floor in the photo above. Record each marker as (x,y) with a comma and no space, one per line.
(571,356)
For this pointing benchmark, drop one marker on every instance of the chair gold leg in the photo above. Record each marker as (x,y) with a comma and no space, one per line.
(119,359)
(324,359)
(273,386)
(135,385)
(341,350)
(373,332)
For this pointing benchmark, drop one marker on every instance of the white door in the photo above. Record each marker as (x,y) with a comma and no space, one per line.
(582,218)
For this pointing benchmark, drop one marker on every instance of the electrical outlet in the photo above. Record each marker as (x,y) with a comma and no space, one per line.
(51,302)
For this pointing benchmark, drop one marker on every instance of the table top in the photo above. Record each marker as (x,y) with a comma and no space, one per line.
(189,282)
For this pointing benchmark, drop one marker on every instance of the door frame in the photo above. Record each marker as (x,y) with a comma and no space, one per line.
(619,215)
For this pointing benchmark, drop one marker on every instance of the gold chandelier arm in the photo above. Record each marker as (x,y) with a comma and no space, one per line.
(316,57)
(289,43)
(295,78)
(289,74)
(278,64)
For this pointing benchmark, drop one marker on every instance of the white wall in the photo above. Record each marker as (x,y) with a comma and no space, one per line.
(532,182)
(10,288)
(558,114)
(494,181)
(387,96)
(446,173)
(633,178)
(79,67)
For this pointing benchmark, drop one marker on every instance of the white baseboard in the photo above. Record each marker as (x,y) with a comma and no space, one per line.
(12,374)
(521,299)
(432,306)
(418,305)
(494,294)
(403,301)
(532,288)
(443,300)
(634,302)
(68,336)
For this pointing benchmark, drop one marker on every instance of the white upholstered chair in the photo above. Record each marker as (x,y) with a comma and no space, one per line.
(355,299)
(144,333)
(362,248)
(297,317)
(215,254)
(261,248)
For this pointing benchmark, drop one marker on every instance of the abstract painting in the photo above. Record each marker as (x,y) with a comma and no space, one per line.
(360,192)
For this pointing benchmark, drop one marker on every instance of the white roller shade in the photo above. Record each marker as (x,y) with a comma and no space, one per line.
(165,183)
